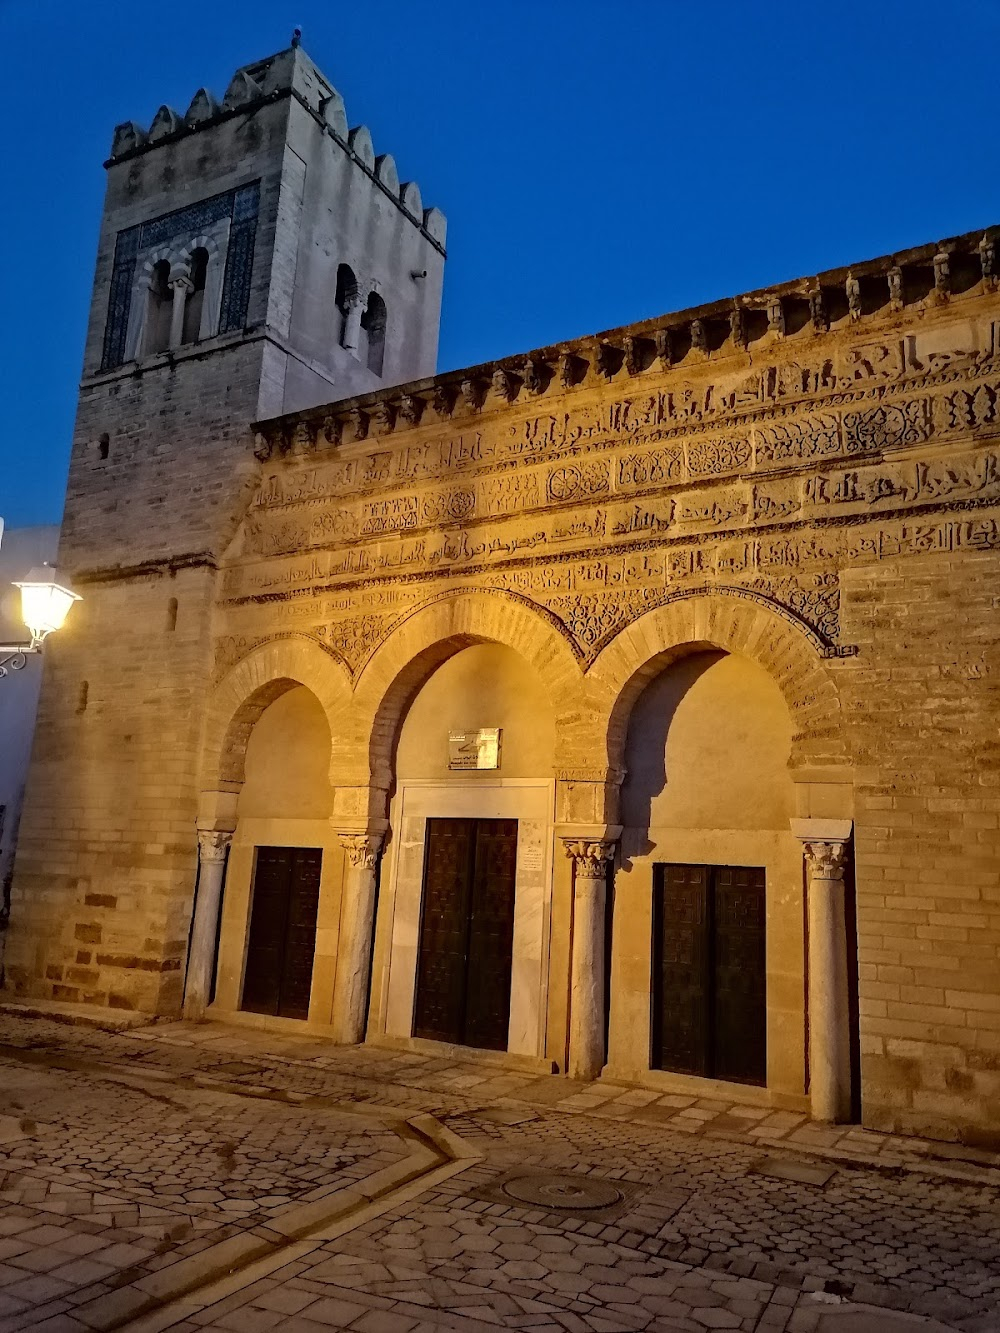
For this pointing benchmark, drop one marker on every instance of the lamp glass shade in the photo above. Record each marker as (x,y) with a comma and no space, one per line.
(45,601)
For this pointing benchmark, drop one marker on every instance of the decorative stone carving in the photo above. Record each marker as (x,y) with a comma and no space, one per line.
(362,849)
(303,439)
(608,360)
(826,860)
(699,336)
(444,400)
(261,447)
(589,859)
(534,380)
(895,278)
(853,289)
(817,311)
(737,326)
(409,409)
(776,316)
(213,844)
(382,416)
(504,385)
(473,393)
(356,424)
(942,274)
(987,259)
(571,370)
(664,350)
(331,430)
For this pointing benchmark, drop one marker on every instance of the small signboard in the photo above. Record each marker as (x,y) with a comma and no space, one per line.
(474,749)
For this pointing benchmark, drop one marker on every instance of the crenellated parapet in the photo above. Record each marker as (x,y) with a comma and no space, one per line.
(866,299)
(292,74)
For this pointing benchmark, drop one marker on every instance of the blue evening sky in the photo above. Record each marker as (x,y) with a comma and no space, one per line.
(598,162)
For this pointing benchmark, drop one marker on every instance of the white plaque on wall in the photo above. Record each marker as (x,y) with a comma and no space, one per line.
(474,749)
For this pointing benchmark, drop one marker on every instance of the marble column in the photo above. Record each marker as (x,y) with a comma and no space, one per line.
(180,285)
(354,952)
(212,847)
(586,1015)
(352,325)
(824,844)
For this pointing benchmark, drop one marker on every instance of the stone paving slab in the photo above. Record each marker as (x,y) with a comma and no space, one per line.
(898,1229)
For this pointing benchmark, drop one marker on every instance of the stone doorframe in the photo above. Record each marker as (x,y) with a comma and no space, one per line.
(531,803)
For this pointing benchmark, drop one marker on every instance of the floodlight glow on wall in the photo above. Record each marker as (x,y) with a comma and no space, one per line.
(45,603)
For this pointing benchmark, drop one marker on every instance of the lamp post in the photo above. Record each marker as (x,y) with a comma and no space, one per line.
(45,603)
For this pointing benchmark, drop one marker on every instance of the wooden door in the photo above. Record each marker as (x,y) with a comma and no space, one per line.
(491,935)
(467,932)
(709,1003)
(282,938)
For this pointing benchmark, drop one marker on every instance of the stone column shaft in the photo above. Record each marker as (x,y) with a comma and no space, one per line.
(180,288)
(212,848)
(586,1018)
(357,919)
(352,326)
(829,996)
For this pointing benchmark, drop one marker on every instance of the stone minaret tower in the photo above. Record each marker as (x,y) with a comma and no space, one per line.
(255,257)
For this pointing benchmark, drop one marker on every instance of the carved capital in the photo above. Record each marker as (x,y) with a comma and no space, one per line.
(362,849)
(589,858)
(357,424)
(444,400)
(825,860)
(409,409)
(382,417)
(303,438)
(473,393)
(213,844)
(505,386)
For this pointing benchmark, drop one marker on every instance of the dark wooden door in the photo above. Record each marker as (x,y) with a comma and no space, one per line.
(709,1003)
(282,938)
(467,932)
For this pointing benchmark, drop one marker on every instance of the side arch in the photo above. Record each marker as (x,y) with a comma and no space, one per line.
(239,699)
(712,621)
(364,734)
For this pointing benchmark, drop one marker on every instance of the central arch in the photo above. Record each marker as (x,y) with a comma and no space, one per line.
(462,836)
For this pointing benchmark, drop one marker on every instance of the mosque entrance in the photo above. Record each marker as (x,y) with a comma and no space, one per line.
(467,932)
(282,941)
(709,988)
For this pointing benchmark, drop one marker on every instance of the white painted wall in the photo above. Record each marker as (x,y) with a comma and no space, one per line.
(20,550)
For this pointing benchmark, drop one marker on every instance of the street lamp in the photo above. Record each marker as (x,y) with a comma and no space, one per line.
(45,602)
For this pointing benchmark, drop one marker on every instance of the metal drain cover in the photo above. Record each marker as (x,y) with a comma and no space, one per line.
(574,1193)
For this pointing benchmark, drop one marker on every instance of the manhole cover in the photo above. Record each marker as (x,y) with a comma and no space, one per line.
(574,1193)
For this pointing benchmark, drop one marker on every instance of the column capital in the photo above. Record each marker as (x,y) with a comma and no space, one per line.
(362,848)
(826,860)
(213,844)
(824,843)
(589,855)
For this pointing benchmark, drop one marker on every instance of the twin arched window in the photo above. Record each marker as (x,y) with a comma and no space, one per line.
(175,303)
(360,325)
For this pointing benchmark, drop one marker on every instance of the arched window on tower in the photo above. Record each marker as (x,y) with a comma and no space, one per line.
(373,322)
(158,310)
(193,306)
(347,300)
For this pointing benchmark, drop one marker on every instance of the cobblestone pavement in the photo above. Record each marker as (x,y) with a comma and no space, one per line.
(125,1156)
